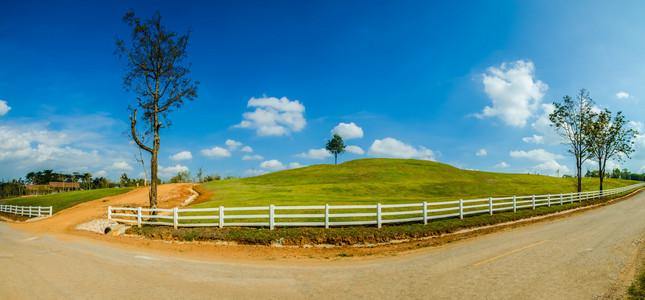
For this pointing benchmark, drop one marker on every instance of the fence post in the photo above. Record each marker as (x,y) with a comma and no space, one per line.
(175,217)
(548,200)
(533,201)
(378,215)
(39,211)
(425,213)
(490,206)
(560,199)
(139,216)
(326,216)
(109,212)
(271,216)
(221,216)
(51,210)
(461,208)
(29,211)
(514,204)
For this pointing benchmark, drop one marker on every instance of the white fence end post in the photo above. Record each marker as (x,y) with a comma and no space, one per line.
(514,204)
(271,216)
(326,216)
(461,208)
(533,201)
(548,200)
(51,210)
(425,213)
(139,216)
(221,216)
(109,212)
(378,215)
(490,206)
(175,217)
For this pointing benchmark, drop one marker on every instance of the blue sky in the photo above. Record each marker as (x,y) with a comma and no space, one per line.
(463,83)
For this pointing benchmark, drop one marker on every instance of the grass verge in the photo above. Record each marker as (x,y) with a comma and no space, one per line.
(345,235)
(62,201)
(637,289)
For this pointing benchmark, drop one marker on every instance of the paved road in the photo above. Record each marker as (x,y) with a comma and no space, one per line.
(580,257)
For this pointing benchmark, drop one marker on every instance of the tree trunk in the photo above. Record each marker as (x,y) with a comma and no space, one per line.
(335,159)
(579,167)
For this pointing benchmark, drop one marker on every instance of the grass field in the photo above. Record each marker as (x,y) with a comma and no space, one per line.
(386,181)
(65,200)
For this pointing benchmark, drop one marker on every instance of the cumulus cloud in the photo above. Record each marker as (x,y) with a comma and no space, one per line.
(101,173)
(273,165)
(252,157)
(550,167)
(481,152)
(4,108)
(253,172)
(393,148)
(183,155)
(536,155)
(121,165)
(536,139)
(232,145)
(321,154)
(295,165)
(355,149)
(502,165)
(348,131)
(246,149)
(273,116)
(515,92)
(217,152)
(172,171)
(619,95)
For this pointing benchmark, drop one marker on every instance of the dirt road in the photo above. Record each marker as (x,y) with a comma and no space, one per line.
(585,256)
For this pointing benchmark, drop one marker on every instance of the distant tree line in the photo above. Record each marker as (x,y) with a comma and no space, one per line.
(617,174)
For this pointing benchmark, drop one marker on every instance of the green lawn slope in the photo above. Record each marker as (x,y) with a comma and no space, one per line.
(386,181)
(65,200)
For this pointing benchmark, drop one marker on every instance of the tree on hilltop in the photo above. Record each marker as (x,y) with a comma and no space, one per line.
(336,146)
(157,75)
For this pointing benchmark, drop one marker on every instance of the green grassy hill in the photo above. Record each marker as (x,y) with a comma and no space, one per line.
(386,181)
(65,200)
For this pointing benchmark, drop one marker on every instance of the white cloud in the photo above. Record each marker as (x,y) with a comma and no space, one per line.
(622,95)
(252,172)
(514,91)
(536,139)
(101,173)
(542,125)
(273,116)
(536,155)
(321,153)
(183,155)
(389,147)
(122,165)
(295,165)
(355,149)
(217,152)
(4,108)
(502,165)
(171,171)
(252,157)
(232,145)
(550,167)
(481,152)
(273,165)
(246,149)
(348,131)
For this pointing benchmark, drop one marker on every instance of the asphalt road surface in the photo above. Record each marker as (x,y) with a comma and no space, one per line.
(585,256)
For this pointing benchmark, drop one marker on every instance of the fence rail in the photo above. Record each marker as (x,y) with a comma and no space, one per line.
(30,211)
(344,215)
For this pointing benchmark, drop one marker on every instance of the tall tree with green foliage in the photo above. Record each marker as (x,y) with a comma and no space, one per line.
(572,119)
(609,138)
(336,146)
(156,73)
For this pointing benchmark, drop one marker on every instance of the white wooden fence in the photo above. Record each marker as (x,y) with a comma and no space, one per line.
(30,211)
(343,215)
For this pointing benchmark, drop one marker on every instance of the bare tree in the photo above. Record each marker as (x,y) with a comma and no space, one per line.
(156,74)
(572,119)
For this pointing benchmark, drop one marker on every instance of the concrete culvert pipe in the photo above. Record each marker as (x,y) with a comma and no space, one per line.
(107,230)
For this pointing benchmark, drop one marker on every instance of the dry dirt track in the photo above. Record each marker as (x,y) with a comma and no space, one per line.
(585,256)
